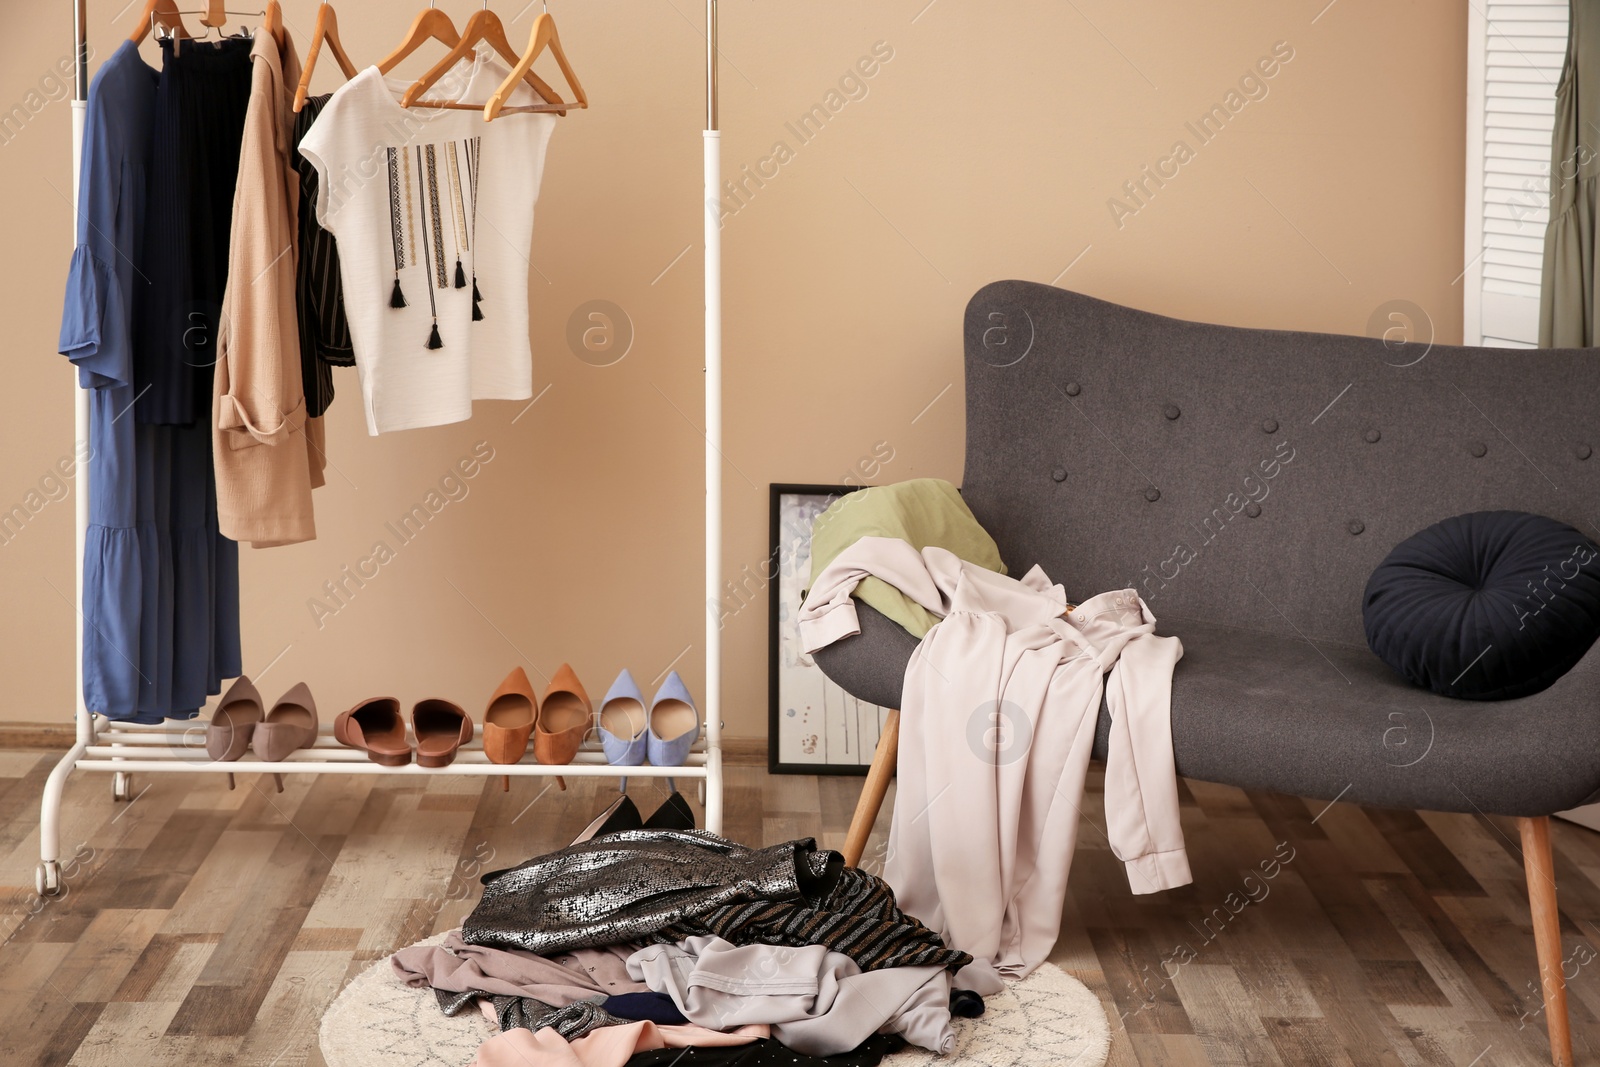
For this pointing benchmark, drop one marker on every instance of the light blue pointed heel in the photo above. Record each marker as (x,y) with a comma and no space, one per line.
(623,723)
(674,724)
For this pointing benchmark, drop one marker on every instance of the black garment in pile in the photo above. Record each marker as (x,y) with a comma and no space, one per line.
(965,1004)
(768,1053)
(201,102)
(319,290)
(667,885)
(658,1008)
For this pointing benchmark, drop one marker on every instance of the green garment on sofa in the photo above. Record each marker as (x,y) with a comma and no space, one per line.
(922,512)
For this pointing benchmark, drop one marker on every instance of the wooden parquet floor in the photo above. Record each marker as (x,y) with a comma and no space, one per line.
(202,926)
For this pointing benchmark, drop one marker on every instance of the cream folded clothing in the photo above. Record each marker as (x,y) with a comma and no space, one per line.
(558,980)
(818,1002)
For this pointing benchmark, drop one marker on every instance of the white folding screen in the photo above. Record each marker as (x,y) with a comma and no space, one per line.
(1515,50)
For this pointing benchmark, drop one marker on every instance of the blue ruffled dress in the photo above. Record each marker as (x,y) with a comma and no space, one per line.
(132,563)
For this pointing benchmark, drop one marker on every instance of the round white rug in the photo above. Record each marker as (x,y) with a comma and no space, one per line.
(1049,1018)
(378,1021)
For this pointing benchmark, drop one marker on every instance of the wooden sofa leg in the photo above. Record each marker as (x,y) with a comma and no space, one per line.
(873,790)
(1539,866)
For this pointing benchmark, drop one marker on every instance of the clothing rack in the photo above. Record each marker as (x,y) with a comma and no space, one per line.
(124,749)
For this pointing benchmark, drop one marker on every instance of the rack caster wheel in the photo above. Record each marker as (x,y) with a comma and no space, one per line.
(47,879)
(122,786)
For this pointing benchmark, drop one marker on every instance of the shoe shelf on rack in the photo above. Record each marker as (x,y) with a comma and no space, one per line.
(161,748)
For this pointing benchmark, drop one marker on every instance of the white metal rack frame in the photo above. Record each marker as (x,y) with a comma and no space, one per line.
(123,748)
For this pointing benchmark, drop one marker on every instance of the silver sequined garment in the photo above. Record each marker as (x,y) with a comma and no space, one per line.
(627,886)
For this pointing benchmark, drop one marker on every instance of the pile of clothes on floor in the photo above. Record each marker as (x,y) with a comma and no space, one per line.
(666,945)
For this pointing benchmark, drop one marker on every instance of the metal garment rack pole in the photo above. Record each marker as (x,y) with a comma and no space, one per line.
(713,278)
(131,748)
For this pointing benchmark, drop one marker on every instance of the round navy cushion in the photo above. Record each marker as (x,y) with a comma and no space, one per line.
(1487,606)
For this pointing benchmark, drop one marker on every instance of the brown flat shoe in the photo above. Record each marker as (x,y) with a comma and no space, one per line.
(508,721)
(441,729)
(564,719)
(376,726)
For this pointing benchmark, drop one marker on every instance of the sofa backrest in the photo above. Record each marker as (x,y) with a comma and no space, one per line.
(1252,477)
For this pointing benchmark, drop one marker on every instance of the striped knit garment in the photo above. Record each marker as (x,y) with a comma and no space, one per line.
(857,917)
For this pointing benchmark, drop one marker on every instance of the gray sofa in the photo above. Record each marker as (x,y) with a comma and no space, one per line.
(1247,482)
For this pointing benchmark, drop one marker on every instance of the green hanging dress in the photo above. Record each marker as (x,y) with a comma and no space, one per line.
(1567,298)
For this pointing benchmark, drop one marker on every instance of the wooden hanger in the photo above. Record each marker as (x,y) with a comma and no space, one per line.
(326,31)
(163,13)
(272,22)
(543,36)
(215,17)
(484,26)
(431,24)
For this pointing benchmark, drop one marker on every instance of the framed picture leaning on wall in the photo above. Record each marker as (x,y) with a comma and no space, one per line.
(813,726)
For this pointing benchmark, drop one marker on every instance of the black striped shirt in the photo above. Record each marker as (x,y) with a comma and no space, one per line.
(319,293)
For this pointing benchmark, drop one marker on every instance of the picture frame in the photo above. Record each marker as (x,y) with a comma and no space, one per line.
(813,725)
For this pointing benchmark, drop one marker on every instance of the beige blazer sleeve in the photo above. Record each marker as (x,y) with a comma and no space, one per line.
(263,468)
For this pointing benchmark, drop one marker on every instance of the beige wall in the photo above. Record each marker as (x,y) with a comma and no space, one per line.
(988,146)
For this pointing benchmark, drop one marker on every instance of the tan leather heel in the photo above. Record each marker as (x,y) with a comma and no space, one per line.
(508,720)
(441,728)
(375,726)
(564,719)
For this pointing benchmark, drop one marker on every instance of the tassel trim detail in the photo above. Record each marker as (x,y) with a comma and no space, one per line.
(434,340)
(397,299)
